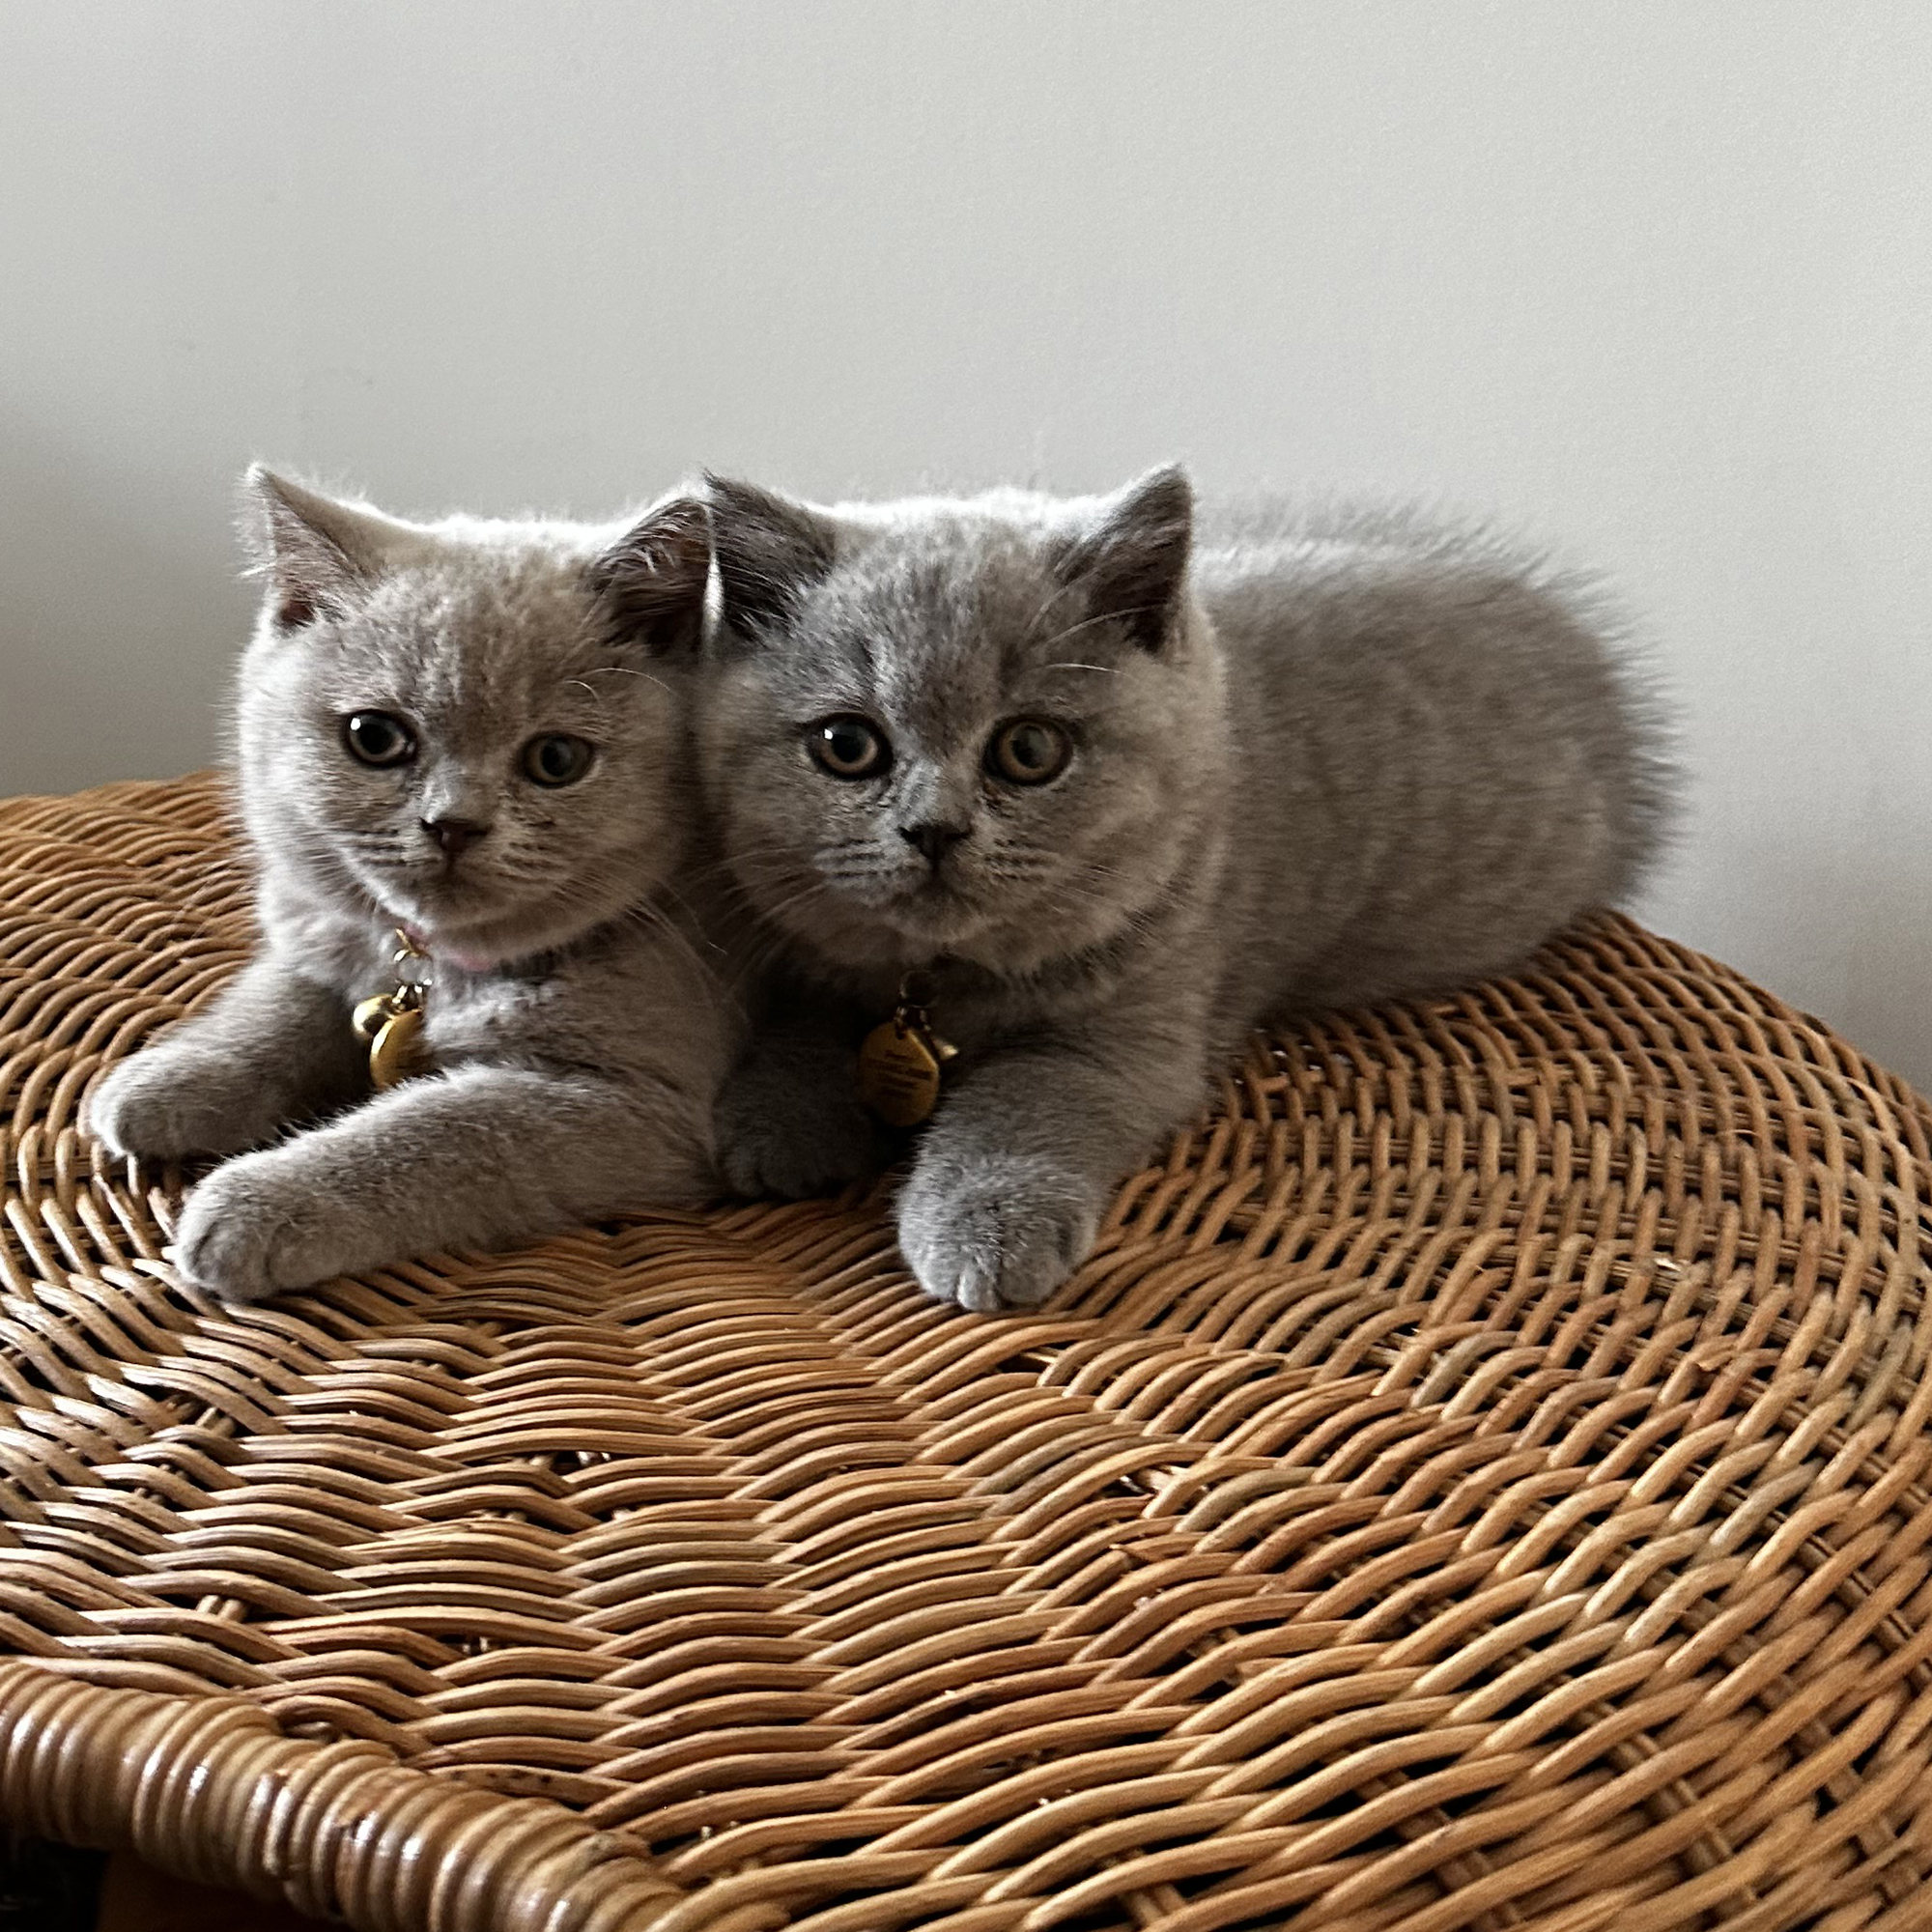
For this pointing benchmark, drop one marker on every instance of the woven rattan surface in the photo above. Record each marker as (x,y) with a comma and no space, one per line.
(1482,1480)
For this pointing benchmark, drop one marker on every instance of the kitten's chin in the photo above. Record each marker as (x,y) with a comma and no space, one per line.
(475,931)
(916,921)
(1006,936)
(930,927)
(890,938)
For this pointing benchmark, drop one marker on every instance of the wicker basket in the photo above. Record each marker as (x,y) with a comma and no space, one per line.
(1481,1480)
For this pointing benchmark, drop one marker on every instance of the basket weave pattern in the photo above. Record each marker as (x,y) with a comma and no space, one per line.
(1480,1480)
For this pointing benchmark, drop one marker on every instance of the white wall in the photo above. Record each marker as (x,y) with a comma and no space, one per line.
(1650,276)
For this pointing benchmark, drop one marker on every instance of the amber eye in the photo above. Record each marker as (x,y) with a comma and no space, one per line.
(376,738)
(849,748)
(1028,751)
(557,760)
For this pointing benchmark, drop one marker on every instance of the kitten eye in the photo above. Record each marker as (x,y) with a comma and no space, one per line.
(1028,751)
(557,760)
(849,748)
(376,738)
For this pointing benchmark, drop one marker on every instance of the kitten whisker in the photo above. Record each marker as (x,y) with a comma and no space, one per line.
(1101,617)
(626,670)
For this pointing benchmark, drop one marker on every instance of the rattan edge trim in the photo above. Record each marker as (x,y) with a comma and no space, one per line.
(212,1789)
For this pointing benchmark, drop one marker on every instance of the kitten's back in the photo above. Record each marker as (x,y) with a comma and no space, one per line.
(1447,751)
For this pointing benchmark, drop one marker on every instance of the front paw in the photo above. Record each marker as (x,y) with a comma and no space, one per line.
(262,1225)
(996,1232)
(770,1143)
(162,1106)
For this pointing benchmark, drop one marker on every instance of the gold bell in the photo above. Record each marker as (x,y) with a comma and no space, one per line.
(393,1053)
(372,1014)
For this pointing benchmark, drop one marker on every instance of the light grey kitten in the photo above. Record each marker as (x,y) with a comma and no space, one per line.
(464,729)
(1122,790)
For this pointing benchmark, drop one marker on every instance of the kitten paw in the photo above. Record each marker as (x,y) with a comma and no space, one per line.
(154,1105)
(258,1226)
(768,1145)
(997,1233)
(772,1157)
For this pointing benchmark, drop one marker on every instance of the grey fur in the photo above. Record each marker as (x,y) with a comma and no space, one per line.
(576,1029)
(1319,758)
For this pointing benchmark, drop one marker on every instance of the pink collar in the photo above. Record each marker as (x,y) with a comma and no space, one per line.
(464,962)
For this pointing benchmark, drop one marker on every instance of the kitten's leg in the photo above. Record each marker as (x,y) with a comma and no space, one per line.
(271,1048)
(789,1118)
(473,1157)
(1017,1167)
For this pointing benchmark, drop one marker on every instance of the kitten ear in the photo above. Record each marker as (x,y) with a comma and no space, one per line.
(313,551)
(653,577)
(1131,565)
(769,548)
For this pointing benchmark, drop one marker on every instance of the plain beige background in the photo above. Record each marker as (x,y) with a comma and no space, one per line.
(1651,277)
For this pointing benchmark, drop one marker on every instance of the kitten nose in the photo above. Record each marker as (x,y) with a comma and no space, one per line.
(934,841)
(455,835)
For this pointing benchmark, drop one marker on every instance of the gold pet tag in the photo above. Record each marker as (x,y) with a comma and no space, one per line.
(371,1013)
(899,1074)
(902,1061)
(391,1023)
(392,1053)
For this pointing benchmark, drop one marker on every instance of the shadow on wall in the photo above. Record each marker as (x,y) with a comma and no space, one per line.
(1892,954)
(1844,935)
(89,668)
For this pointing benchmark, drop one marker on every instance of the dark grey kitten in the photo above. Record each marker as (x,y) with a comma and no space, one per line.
(457,729)
(1122,790)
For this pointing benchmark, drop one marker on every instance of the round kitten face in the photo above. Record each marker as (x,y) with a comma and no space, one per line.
(455,745)
(945,751)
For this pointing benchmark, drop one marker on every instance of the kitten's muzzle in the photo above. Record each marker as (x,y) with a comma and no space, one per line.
(934,839)
(454,836)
